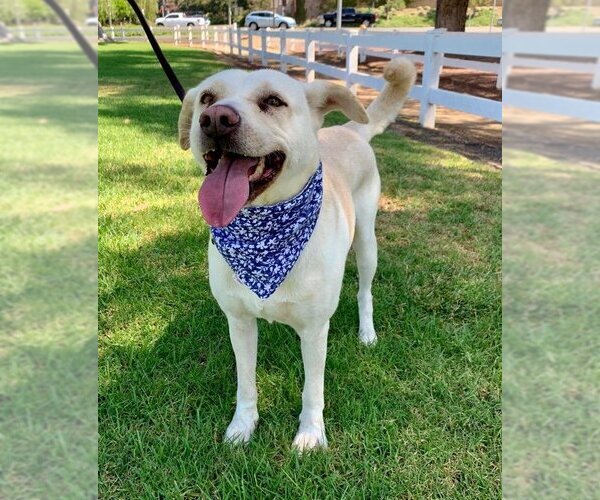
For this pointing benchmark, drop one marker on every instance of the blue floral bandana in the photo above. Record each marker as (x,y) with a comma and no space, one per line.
(262,244)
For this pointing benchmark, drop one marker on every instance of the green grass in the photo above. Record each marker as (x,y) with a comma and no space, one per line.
(572,17)
(48,258)
(417,416)
(399,19)
(551,324)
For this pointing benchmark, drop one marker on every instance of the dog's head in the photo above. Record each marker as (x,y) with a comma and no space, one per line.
(256,134)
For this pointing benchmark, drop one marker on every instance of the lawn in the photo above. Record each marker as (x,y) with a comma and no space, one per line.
(48,259)
(417,416)
(551,320)
(413,18)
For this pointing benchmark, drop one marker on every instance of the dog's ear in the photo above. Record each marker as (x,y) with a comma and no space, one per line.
(185,118)
(324,97)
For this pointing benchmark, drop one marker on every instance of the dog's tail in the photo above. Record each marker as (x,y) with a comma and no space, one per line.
(400,75)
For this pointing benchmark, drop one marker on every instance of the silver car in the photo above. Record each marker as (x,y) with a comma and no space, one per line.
(266,19)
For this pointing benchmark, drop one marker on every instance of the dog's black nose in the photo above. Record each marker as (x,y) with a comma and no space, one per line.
(219,121)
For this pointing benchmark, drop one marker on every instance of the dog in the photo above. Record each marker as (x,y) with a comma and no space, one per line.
(258,136)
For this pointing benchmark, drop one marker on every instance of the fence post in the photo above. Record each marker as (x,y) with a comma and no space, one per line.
(506,61)
(122,32)
(250,46)
(238,39)
(596,80)
(263,47)
(351,61)
(362,51)
(112,31)
(318,47)
(309,54)
(282,50)
(190,35)
(231,44)
(432,67)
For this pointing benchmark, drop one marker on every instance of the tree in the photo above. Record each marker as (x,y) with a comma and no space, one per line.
(525,15)
(451,14)
(216,9)
(300,14)
(119,11)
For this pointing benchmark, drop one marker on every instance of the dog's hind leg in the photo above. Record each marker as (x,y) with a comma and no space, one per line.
(365,248)
(243,332)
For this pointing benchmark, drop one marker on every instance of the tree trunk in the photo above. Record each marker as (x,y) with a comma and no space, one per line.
(451,14)
(300,11)
(525,15)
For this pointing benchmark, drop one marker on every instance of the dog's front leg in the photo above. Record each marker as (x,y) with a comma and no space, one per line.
(311,432)
(243,332)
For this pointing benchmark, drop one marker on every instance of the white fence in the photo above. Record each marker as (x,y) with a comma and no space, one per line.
(554,51)
(284,47)
(434,49)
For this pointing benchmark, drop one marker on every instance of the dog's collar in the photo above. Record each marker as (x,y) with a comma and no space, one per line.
(262,244)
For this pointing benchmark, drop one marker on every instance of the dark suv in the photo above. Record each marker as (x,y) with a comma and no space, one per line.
(349,16)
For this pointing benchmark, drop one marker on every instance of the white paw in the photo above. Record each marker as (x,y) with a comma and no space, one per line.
(241,428)
(309,437)
(367,336)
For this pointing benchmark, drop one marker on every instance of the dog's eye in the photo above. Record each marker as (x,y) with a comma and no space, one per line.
(273,101)
(207,98)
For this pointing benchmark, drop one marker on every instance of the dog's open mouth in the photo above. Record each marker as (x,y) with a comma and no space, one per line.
(232,181)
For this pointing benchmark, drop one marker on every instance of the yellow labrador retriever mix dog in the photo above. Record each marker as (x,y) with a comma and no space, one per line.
(286,200)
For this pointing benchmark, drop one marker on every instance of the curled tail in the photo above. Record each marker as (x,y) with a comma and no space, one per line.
(400,75)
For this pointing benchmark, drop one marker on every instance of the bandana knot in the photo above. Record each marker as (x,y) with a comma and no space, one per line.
(262,244)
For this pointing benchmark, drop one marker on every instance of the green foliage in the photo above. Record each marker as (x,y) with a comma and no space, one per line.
(25,11)
(572,17)
(215,9)
(34,11)
(482,17)
(119,11)
(399,20)
(391,5)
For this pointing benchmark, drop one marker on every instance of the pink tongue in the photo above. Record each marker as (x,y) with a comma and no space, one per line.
(225,191)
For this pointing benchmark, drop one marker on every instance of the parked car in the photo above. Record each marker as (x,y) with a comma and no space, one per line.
(266,19)
(349,16)
(181,19)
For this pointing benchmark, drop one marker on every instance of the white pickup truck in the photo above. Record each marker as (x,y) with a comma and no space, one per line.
(181,19)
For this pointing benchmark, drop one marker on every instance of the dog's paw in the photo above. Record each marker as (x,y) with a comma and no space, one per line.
(309,437)
(367,336)
(240,429)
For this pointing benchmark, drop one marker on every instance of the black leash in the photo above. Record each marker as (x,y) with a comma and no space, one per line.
(87,49)
(175,83)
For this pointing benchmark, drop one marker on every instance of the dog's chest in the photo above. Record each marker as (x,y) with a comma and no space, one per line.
(310,290)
